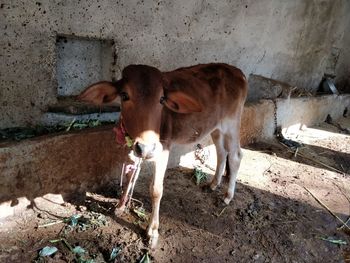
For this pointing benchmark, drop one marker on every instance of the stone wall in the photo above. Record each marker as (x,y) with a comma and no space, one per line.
(290,41)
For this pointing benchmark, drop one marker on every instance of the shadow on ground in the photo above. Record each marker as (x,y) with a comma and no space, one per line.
(312,155)
(257,227)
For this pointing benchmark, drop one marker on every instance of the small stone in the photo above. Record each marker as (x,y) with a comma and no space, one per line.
(42,215)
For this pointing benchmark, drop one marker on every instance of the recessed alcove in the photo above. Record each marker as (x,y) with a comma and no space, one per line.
(81,62)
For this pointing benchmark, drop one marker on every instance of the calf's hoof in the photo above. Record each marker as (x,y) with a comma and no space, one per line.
(227,201)
(152,238)
(119,211)
(153,242)
(228,198)
(207,189)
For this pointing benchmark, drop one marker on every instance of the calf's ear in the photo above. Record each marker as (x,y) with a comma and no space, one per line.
(99,93)
(181,102)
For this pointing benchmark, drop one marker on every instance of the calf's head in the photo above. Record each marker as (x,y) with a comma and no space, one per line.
(143,91)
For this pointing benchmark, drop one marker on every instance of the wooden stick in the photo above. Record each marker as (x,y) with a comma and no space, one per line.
(122,176)
(222,211)
(326,207)
(51,224)
(70,125)
(346,223)
(296,152)
(342,191)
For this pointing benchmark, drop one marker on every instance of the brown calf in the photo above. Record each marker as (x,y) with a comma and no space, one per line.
(159,109)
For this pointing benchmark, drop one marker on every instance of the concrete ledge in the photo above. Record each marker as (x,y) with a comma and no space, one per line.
(309,111)
(257,122)
(65,164)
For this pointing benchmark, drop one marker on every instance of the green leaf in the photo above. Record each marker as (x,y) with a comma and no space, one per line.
(115,252)
(94,123)
(141,213)
(200,176)
(78,250)
(334,241)
(47,251)
(129,141)
(80,125)
(73,220)
(70,125)
(145,258)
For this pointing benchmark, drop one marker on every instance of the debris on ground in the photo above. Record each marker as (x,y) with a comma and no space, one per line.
(115,252)
(48,251)
(330,121)
(80,222)
(80,254)
(141,213)
(334,241)
(145,258)
(22,133)
(294,145)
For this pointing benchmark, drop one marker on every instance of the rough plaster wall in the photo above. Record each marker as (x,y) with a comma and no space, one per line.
(286,40)
(343,64)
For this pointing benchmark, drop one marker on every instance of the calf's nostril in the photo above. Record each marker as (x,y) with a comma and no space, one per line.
(138,148)
(142,150)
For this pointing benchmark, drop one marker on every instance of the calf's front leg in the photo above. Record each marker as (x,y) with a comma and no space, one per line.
(221,153)
(156,191)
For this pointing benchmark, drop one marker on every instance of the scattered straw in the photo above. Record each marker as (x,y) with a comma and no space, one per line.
(51,223)
(222,211)
(296,152)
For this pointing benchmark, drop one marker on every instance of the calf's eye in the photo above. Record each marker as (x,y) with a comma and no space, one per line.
(124,96)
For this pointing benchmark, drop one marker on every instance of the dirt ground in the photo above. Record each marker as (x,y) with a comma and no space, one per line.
(273,217)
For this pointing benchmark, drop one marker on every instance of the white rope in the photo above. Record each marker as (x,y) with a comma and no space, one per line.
(133,178)
(121,177)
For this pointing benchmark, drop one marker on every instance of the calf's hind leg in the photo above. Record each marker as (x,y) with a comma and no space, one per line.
(234,158)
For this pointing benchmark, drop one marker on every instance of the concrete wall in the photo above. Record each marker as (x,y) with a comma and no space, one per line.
(291,41)
(342,66)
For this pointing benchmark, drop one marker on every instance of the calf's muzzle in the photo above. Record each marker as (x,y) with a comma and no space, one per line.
(145,151)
